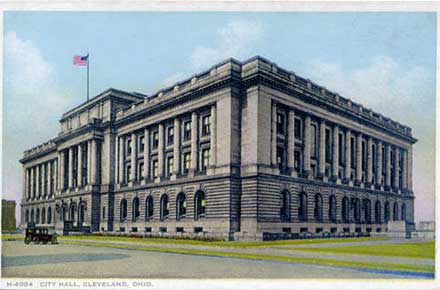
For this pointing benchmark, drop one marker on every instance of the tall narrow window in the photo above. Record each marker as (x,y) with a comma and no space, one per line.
(187,130)
(341,149)
(353,152)
(123,210)
(284,206)
(186,162)
(200,205)
(155,168)
(43,215)
(318,207)
(135,210)
(49,215)
(395,211)
(302,211)
(314,138)
(356,210)
(205,159)
(170,164)
(280,123)
(155,140)
(297,161)
(181,206)
(128,147)
(170,135)
(403,212)
(328,146)
(345,210)
(164,207)
(387,212)
(298,129)
(332,208)
(149,208)
(280,158)
(367,210)
(141,144)
(206,125)
(377,212)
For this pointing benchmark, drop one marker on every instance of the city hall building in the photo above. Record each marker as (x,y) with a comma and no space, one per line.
(244,150)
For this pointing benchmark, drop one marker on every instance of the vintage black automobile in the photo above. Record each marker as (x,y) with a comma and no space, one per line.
(40,235)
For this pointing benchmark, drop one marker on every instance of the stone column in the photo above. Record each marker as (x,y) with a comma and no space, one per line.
(369,161)
(396,168)
(335,156)
(61,169)
(213,137)
(55,176)
(79,183)
(49,173)
(146,154)
(274,136)
(32,182)
(194,147)
(24,182)
(359,158)
(133,157)
(291,143)
(160,148)
(94,163)
(37,180)
(89,162)
(70,181)
(176,147)
(347,155)
(405,170)
(388,169)
(410,169)
(321,171)
(121,160)
(307,145)
(42,172)
(379,163)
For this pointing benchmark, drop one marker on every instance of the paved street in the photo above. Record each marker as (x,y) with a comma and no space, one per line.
(75,261)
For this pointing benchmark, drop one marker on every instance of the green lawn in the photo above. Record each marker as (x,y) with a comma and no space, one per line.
(232,244)
(326,262)
(421,250)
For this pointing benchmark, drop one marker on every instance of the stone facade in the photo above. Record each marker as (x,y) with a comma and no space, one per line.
(240,150)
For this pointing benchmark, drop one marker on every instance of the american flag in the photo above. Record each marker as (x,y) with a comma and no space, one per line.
(81,60)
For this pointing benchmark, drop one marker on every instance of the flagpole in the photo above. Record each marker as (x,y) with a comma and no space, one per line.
(88,64)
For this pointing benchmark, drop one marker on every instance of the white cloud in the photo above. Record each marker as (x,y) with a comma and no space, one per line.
(235,39)
(33,103)
(405,94)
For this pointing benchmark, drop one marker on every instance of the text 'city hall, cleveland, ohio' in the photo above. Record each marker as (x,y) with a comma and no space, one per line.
(244,150)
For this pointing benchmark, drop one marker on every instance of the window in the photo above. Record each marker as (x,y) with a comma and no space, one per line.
(205,159)
(155,140)
(170,135)
(45,180)
(200,205)
(49,215)
(141,144)
(128,173)
(356,210)
(364,156)
(128,147)
(284,206)
(72,212)
(37,216)
(298,129)
(43,216)
(186,162)
(313,136)
(81,213)
(302,211)
(63,216)
(297,161)
(281,124)
(206,125)
(155,168)
(181,206)
(170,163)
(318,207)
(27,216)
(84,155)
(387,212)
(135,210)
(341,149)
(328,146)
(149,209)
(187,131)
(332,208)
(395,212)
(32,216)
(353,152)
(345,210)
(280,157)
(123,211)
(367,210)
(141,170)
(164,207)
(377,212)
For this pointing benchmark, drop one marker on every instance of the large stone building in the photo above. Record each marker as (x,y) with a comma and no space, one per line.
(238,151)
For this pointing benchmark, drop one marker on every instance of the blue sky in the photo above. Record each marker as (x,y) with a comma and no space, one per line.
(386,61)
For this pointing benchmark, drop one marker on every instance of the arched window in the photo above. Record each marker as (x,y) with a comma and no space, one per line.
(403,212)
(200,205)
(63,212)
(27,216)
(318,207)
(332,208)
(387,212)
(81,210)
(395,211)
(49,215)
(377,212)
(135,213)
(72,212)
(366,205)
(32,216)
(356,210)
(181,206)
(37,216)
(345,210)
(302,211)
(123,210)
(164,207)
(149,209)
(43,215)
(284,206)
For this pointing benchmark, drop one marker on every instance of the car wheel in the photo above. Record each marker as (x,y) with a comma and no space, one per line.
(27,240)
